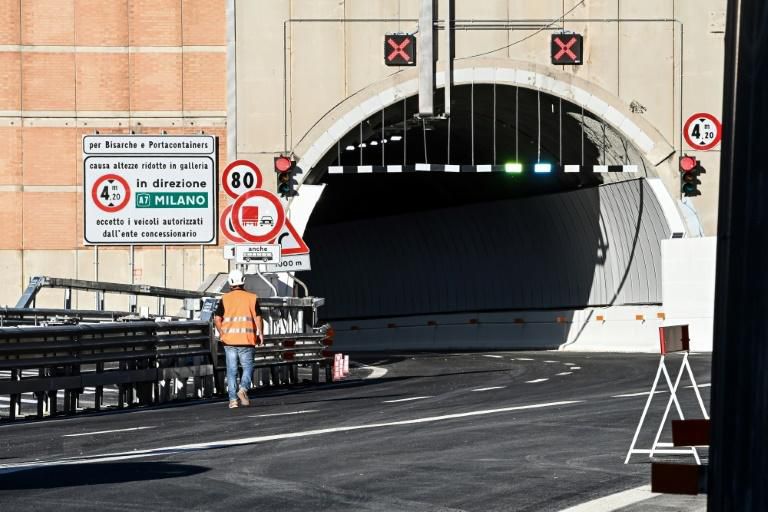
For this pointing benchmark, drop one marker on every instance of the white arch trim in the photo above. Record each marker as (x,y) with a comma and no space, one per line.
(647,140)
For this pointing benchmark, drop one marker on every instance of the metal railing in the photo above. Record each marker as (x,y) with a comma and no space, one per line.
(135,357)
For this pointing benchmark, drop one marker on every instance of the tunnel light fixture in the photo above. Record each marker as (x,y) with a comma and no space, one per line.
(350,148)
(513,168)
(374,143)
(396,137)
(362,145)
(542,168)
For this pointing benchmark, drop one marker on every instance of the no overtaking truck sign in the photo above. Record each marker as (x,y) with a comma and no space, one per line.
(141,189)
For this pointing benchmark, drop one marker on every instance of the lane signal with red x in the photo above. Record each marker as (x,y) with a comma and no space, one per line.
(400,50)
(566,49)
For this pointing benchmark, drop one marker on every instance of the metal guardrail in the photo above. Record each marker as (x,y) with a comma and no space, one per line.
(45,351)
(13,317)
(136,357)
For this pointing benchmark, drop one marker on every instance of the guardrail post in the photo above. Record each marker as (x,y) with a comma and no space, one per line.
(99,396)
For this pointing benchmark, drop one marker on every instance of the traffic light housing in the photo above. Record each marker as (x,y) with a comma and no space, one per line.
(689,176)
(285,168)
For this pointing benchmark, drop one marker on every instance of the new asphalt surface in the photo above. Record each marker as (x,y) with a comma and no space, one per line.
(520,431)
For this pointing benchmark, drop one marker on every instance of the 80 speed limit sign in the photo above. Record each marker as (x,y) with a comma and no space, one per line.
(702,131)
(240,177)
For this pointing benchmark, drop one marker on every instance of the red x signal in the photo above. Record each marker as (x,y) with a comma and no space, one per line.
(399,49)
(566,49)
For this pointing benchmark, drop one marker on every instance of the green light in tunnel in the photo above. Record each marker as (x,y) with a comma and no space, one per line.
(542,167)
(513,168)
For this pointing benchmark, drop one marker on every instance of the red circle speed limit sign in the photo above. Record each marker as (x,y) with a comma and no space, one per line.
(110,193)
(239,177)
(258,216)
(702,131)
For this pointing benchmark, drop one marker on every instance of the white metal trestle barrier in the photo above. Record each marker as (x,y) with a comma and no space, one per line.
(674,339)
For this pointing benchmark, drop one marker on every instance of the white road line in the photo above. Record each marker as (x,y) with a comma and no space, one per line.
(489,355)
(643,393)
(575,367)
(107,432)
(563,373)
(405,399)
(186,448)
(489,388)
(615,501)
(700,385)
(535,381)
(550,362)
(524,359)
(282,414)
(376,373)
(569,364)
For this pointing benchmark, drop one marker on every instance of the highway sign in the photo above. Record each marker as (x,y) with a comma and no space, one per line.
(258,216)
(257,253)
(292,263)
(702,131)
(161,196)
(239,177)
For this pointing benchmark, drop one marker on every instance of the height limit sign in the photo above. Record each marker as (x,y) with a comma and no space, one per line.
(143,189)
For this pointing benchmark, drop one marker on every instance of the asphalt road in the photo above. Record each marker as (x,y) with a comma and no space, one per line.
(523,431)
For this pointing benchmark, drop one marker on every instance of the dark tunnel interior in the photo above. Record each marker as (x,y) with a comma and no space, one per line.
(436,242)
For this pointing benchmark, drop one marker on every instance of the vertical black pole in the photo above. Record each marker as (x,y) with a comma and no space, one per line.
(739,452)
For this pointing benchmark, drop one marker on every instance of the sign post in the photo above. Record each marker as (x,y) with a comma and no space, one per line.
(149,189)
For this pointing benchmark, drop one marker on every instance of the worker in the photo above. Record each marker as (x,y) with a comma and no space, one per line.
(241,327)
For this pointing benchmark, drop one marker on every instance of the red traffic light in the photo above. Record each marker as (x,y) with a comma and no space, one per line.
(283,164)
(688,163)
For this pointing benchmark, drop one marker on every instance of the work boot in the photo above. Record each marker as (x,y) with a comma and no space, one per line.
(243,396)
(233,404)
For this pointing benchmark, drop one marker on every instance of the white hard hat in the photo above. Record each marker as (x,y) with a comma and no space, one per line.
(236,278)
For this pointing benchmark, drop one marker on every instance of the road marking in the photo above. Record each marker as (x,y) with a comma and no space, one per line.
(615,501)
(643,393)
(376,373)
(550,362)
(186,448)
(575,367)
(524,359)
(282,414)
(489,355)
(569,364)
(563,373)
(107,432)
(405,399)
(700,385)
(489,388)
(535,381)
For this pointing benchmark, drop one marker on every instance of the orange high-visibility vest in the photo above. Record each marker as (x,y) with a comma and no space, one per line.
(238,325)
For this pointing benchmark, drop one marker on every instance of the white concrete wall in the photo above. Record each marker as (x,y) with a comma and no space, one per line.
(688,286)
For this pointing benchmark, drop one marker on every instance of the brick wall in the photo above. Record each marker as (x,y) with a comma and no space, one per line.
(112,66)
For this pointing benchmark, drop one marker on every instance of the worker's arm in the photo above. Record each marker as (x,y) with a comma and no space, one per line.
(218,316)
(259,324)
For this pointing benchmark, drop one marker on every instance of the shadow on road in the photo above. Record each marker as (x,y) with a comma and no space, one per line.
(52,477)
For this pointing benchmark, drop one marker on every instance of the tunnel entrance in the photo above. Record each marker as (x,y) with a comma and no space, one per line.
(412,243)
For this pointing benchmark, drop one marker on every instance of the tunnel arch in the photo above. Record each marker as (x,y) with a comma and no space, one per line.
(596,100)
(614,231)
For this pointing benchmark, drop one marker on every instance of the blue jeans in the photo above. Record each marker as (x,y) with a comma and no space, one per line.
(245,356)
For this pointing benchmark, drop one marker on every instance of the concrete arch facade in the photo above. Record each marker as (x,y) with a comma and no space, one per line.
(354,109)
